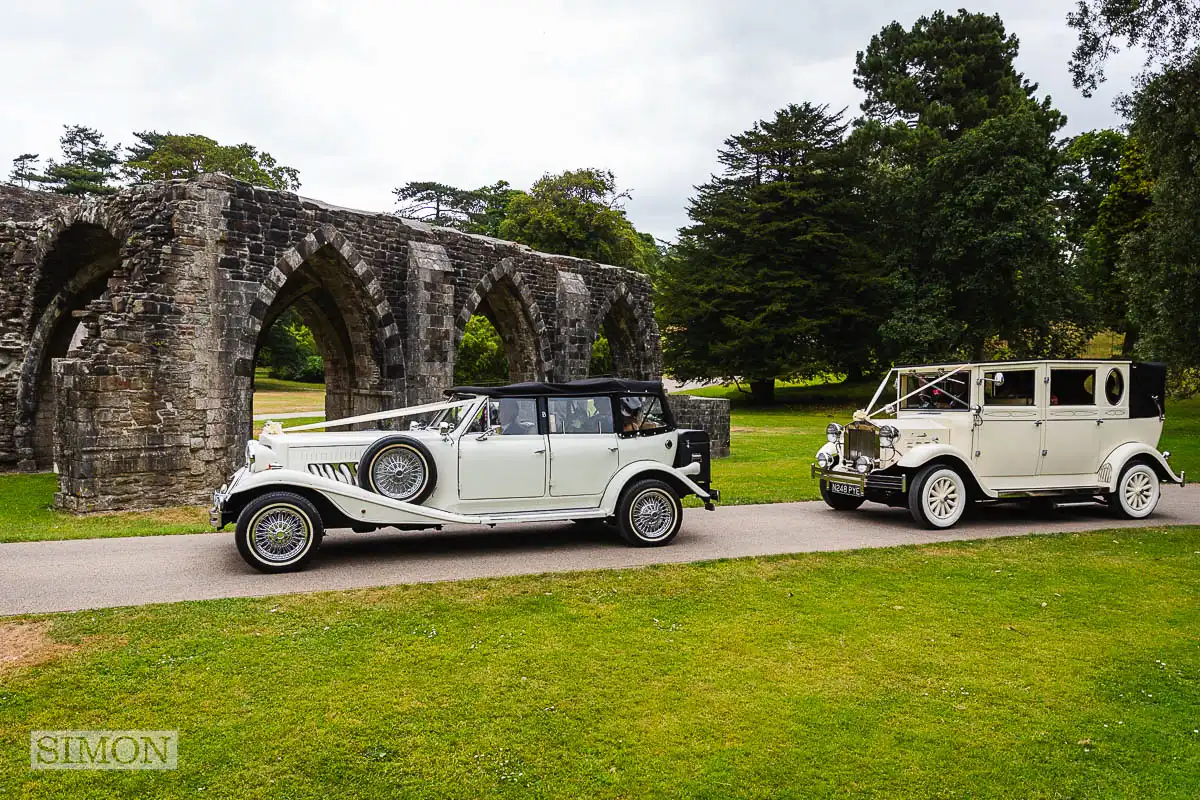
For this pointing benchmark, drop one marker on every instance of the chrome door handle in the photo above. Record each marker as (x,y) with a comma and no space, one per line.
(613,449)
(1099,422)
(539,451)
(1037,424)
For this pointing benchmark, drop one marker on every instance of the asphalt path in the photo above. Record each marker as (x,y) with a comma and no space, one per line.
(38,577)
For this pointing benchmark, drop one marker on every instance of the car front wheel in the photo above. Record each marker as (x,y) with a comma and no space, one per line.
(278,532)
(649,513)
(937,497)
(1138,491)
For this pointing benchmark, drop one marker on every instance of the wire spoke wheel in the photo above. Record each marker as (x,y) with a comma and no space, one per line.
(652,514)
(399,473)
(279,533)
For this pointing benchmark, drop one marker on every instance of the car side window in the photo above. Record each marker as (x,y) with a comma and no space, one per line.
(1114,387)
(1016,389)
(507,416)
(642,414)
(1072,387)
(580,414)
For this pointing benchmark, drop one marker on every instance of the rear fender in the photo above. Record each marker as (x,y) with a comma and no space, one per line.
(1110,469)
(677,477)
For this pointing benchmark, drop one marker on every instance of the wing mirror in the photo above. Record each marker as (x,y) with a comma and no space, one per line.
(998,379)
(444,430)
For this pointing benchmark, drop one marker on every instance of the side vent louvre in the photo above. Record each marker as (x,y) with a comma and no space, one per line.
(341,472)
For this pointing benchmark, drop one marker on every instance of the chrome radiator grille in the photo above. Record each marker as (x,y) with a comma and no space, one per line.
(344,472)
(862,441)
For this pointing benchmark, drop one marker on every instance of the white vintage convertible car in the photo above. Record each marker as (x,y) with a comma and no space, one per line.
(600,449)
(1045,431)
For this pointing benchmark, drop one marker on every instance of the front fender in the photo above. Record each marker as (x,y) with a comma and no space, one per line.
(632,471)
(921,455)
(1110,469)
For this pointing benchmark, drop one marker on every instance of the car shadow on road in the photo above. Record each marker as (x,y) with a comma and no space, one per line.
(345,545)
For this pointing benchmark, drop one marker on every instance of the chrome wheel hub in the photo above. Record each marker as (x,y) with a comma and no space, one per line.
(280,533)
(652,514)
(399,473)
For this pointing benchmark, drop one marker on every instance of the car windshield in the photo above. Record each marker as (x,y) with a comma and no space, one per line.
(920,393)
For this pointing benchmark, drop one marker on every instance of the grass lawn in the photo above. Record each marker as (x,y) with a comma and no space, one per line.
(273,396)
(1039,667)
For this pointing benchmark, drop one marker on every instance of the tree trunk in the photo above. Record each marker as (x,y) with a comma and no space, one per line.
(762,393)
(1131,337)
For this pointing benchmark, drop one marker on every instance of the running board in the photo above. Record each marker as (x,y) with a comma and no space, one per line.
(558,515)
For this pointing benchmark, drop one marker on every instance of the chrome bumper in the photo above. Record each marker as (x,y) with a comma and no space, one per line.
(874,481)
(216,514)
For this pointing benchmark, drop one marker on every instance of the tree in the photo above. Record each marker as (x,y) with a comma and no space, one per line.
(1104,267)
(481,358)
(1166,30)
(170,156)
(472,210)
(964,168)
(24,171)
(290,352)
(577,213)
(88,166)
(944,76)
(1090,163)
(1158,258)
(772,279)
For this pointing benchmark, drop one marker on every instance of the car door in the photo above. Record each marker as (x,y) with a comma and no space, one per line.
(1008,436)
(643,426)
(1071,443)
(583,445)
(502,454)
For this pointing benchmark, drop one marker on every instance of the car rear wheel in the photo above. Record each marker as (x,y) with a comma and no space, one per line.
(1138,491)
(278,532)
(839,502)
(937,497)
(649,513)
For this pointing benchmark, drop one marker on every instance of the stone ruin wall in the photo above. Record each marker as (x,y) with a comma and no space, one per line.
(174,283)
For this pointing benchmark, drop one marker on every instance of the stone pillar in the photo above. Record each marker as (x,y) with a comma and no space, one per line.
(431,345)
(574,351)
(709,414)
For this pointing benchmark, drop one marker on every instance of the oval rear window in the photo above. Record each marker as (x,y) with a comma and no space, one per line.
(1114,386)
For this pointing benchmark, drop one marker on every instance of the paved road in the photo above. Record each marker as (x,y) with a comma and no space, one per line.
(98,573)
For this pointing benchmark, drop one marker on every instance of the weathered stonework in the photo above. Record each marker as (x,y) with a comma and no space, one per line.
(709,414)
(129,324)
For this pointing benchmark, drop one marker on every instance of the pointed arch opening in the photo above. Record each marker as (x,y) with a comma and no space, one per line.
(329,325)
(500,337)
(78,268)
(619,348)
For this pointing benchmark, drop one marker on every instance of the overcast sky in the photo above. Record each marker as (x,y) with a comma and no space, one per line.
(362,97)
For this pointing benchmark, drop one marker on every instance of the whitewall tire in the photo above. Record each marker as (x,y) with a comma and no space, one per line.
(937,497)
(649,513)
(1138,492)
(278,532)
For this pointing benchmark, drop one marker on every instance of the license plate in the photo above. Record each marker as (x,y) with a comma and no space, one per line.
(851,489)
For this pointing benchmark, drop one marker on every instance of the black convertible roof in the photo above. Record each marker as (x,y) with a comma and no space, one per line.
(583,387)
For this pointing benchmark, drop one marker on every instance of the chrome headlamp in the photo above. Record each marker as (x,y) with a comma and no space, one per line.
(833,432)
(826,460)
(249,454)
(862,464)
(888,435)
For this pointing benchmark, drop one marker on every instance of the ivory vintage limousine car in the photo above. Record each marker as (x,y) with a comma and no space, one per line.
(1046,430)
(599,449)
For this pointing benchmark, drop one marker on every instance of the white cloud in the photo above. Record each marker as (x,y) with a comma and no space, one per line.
(362,97)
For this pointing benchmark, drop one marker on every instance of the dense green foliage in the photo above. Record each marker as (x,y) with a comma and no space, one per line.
(1149,222)
(167,156)
(482,359)
(290,351)
(773,278)
(1025,667)
(578,213)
